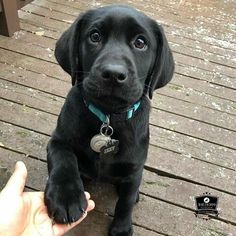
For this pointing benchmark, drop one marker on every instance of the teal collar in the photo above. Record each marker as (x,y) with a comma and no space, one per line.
(126,115)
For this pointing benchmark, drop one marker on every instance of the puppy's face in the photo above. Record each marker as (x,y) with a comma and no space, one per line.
(118,54)
(118,48)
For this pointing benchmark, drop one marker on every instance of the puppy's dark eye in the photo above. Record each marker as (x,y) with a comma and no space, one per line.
(140,43)
(95,37)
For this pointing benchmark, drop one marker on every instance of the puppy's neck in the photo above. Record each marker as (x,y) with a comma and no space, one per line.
(123,115)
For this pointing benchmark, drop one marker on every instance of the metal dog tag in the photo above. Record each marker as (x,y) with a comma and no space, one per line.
(103,143)
(110,149)
(99,141)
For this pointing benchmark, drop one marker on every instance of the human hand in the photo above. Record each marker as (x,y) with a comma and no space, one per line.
(24,213)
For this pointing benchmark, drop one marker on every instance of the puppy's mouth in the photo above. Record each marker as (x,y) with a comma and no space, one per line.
(111,98)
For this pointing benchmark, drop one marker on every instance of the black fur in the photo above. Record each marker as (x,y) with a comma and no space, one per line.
(104,54)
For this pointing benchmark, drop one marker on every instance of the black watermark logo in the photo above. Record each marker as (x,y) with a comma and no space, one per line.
(206,205)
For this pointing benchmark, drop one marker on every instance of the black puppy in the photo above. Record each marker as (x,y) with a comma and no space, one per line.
(116,57)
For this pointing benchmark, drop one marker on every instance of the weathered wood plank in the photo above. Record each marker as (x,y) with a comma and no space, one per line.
(23,140)
(39,31)
(204,87)
(26,48)
(96,223)
(191,9)
(193,16)
(32,64)
(199,49)
(57,7)
(212,76)
(34,39)
(4,174)
(194,128)
(173,18)
(30,97)
(51,24)
(196,171)
(34,80)
(204,64)
(198,97)
(182,193)
(37,170)
(31,118)
(193,148)
(173,191)
(50,13)
(212,38)
(194,111)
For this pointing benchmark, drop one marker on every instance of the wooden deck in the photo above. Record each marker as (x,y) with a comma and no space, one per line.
(193,120)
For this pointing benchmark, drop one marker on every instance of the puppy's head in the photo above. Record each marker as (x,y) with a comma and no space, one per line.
(118,54)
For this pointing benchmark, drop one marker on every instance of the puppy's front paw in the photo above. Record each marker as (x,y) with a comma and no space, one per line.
(65,203)
(120,229)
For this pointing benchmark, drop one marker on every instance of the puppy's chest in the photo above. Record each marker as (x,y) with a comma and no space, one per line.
(112,166)
(92,164)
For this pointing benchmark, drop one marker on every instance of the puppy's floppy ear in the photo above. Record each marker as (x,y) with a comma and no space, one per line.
(67,49)
(163,68)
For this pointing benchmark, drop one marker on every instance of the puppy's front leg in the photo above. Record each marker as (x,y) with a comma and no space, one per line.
(64,193)
(128,194)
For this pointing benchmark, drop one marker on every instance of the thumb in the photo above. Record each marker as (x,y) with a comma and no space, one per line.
(16,183)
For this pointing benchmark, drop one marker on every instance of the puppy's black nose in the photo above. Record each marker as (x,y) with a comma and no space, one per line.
(115,72)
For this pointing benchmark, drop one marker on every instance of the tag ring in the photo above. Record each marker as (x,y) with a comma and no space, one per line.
(106,130)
